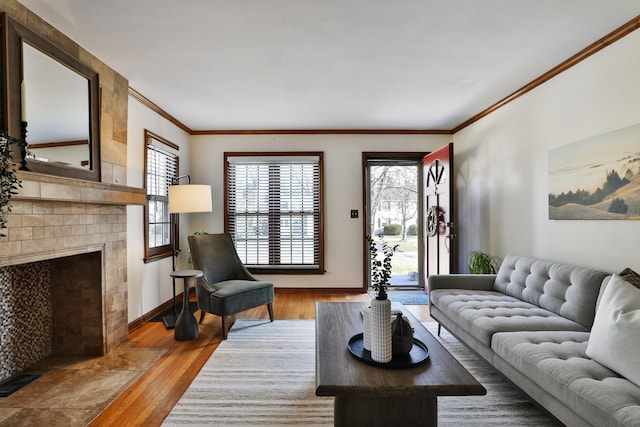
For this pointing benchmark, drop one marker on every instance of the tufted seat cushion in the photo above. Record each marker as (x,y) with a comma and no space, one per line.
(556,361)
(483,313)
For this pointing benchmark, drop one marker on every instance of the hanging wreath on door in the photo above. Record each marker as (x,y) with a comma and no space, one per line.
(434,219)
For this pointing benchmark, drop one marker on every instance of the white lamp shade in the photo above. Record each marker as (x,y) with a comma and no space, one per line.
(189,198)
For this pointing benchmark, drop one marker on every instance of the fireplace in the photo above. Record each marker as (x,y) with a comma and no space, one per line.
(63,271)
(50,307)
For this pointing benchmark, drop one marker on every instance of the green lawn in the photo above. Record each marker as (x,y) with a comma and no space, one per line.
(405,260)
(410,244)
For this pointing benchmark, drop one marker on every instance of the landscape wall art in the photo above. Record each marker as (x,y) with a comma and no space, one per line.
(598,178)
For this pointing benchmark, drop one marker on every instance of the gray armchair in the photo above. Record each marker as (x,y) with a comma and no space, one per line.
(227,287)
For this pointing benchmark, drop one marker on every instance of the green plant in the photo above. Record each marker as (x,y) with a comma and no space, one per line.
(482,263)
(380,268)
(9,182)
(392,229)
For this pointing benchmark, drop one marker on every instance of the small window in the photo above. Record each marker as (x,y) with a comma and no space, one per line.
(161,166)
(273,210)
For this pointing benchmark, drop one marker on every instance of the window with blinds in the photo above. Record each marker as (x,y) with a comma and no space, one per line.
(161,166)
(273,210)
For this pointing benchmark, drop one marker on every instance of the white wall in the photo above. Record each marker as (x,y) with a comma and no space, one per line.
(342,185)
(502,171)
(149,285)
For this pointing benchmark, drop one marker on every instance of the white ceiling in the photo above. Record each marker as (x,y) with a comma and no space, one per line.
(331,64)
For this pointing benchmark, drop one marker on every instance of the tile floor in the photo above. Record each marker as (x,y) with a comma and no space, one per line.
(72,391)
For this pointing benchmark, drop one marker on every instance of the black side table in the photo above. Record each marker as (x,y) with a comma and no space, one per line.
(186,324)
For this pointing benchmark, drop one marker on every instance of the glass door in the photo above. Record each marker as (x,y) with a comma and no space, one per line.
(394,214)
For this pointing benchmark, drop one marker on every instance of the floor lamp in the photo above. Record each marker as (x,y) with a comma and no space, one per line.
(188,198)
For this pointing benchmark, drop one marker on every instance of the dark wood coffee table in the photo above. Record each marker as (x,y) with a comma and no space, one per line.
(367,395)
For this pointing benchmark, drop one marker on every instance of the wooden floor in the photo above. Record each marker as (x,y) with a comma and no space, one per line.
(151,398)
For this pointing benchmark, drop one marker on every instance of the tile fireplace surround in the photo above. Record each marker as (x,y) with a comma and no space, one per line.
(63,270)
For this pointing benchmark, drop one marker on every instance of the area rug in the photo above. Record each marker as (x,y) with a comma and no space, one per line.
(503,405)
(264,375)
(406,298)
(74,391)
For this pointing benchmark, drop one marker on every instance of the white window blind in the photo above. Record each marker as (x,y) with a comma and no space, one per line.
(161,169)
(274,210)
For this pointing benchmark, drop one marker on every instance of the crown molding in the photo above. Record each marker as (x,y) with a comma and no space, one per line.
(154,107)
(324,132)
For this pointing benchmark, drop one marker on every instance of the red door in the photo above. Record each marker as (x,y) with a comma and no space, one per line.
(440,253)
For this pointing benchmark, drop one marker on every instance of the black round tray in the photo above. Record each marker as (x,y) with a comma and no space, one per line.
(419,354)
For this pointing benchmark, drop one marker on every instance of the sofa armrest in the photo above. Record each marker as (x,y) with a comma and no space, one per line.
(476,282)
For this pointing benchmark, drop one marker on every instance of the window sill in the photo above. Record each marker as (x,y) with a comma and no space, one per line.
(281,270)
(153,258)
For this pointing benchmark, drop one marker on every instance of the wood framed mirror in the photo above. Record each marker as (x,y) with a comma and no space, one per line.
(51,102)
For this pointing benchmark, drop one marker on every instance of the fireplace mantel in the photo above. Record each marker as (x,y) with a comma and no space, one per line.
(43,256)
(37,186)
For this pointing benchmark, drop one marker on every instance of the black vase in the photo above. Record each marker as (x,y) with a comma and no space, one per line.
(401,336)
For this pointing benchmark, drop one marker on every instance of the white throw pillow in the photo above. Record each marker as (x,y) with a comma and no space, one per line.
(615,337)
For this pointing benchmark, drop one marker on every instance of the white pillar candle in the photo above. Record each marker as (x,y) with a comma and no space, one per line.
(366,330)
(23,100)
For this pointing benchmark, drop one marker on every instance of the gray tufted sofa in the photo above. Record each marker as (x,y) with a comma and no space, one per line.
(531,321)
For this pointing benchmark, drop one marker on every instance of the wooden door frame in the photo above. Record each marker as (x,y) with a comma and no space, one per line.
(390,155)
